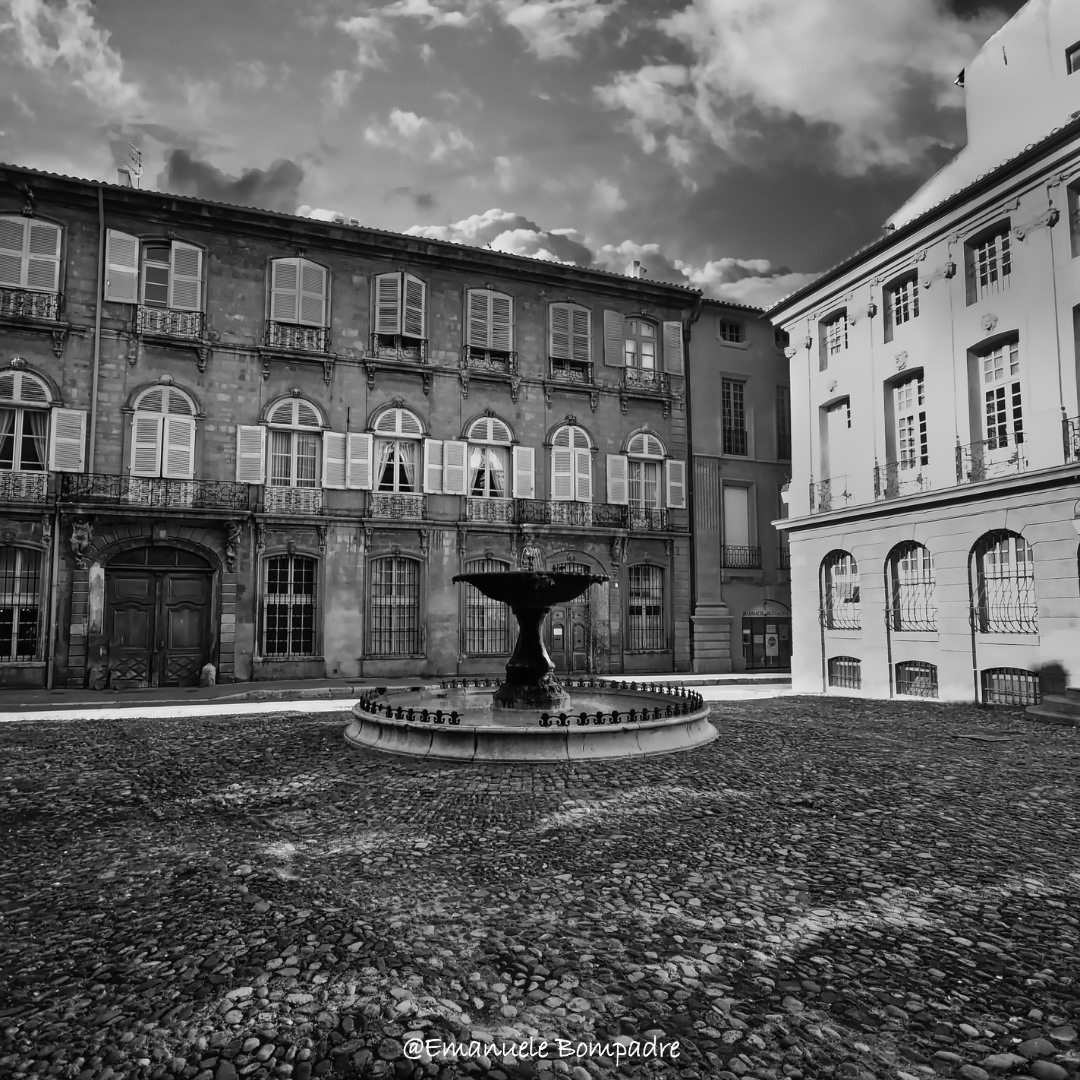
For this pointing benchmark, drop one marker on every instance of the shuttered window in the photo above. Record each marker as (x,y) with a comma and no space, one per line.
(163,434)
(489,321)
(570,333)
(571,465)
(162,274)
(400,306)
(29,254)
(298,292)
(294,446)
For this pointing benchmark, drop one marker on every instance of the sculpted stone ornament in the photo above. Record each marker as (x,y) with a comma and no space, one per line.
(233,531)
(80,542)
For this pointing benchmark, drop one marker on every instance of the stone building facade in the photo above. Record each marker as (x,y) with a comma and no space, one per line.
(268,443)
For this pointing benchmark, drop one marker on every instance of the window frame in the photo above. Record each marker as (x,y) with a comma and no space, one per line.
(911,589)
(900,296)
(645,635)
(844,672)
(783,422)
(828,347)
(392,640)
(1010,605)
(496,636)
(838,589)
(20,601)
(19,405)
(1072,59)
(725,324)
(735,436)
(26,256)
(988,270)
(908,674)
(633,335)
(293,602)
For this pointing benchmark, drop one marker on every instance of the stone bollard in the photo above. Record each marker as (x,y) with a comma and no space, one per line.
(208,675)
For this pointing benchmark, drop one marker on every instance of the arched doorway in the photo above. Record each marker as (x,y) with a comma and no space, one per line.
(158,602)
(766,633)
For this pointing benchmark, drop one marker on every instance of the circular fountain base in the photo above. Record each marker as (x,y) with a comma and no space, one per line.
(459,723)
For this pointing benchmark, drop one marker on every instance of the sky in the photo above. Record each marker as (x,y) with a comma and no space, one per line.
(737,146)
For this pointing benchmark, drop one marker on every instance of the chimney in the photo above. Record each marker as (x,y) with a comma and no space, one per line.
(635,269)
(124,177)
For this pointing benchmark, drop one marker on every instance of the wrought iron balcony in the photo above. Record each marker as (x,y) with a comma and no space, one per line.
(647,518)
(407,350)
(311,339)
(988,458)
(495,361)
(27,304)
(154,491)
(571,371)
(646,379)
(499,511)
(589,515)
(24,486)
(168,323)
(896,478)
(396,505)
(292,500)
(1070,435)
(826,495)
(740,557)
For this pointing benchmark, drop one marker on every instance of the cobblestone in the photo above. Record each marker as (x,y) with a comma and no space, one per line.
(831,889)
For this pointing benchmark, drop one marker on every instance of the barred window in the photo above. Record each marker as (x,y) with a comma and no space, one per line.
(840,600)
(488,623)
(645,609)
(1009,686)
(915,678)
(845,671)
(1005,584)
(911,588)
(395,607)
(733,416)
(288,605)
(20,603)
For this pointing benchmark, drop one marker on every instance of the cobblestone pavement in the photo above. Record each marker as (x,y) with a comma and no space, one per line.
(831,889)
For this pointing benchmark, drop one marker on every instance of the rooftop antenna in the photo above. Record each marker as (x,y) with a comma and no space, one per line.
(135,166)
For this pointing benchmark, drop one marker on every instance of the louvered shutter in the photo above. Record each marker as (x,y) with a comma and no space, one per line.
(676,484)
(502,322)
(185,277)
(284,290)
(524,458)
(333,459)
(359,464)
(313,280)
(581,330)
(67,442)
(388,304)
(179,441)
(455,455)
(12,250)
(583,475)
(478,332)
(614,346)
(433,466)
(559,331)
(122,267)
(673,348)
(414,319)
(562,474)
(146,444)
(43,257)
(617,479)
(250,454)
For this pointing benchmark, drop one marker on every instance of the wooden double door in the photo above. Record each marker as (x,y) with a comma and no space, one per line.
(158,603)
(568,630)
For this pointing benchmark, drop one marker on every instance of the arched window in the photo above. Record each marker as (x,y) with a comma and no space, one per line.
(645,609)
(289,606)
(397,441)
(489,441)
(645,458)
(571,465)
(295,441)
(1009,686)
(24,422)
(845,671)
(639,344)
(163,434)
(394,612)
(911,588)
(840,600)
(916,678)
(488,623)
(1004,566)
(20,603)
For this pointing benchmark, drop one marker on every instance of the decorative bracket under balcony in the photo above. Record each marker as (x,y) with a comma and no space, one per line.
(170,329)
(645,385)
(373,364)
(39,312)
(488,364)
(292,342)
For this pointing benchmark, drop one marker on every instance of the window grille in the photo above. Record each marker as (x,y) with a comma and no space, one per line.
(20,603)
(1005,571)
(840,592)
(289,606)
(488,623)
(911,585)
(915,678)
(645,609)
(395,607)
(783,423)
(989,264)
(1009,686)
(835,335)
(901,304)
(845,671)
(733,413)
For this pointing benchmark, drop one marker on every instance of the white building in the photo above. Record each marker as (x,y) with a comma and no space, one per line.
(935,500)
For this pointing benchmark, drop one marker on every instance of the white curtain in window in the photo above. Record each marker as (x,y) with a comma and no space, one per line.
(7,438)
(35,429)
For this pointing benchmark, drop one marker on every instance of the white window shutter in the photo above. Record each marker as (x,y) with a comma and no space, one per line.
(67,440)
(43,257)
(388,303)
(617,479)
(582,475)
(414,318)
(122,267)
(673,347)
(146,444)
(313,282)
(285,290)
(478,314)
(12,252)
(559,331)
(562,474)
(333,459)
(502,322)
(433,466)
(614,345)
(676,484)
(359,460)
(185,277)
(179,443)
(524,472)
(250,454)
(455,455)
(581,328)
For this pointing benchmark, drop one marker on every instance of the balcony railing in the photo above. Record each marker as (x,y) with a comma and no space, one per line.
(990,457)
(22,486)
(312,339)
(292,500)
(656,382)
(499,363)
(168,323)
(408,350)
(571,371)
(826,495)
(1070,434)
(26,304)
(499,511)
(589,515)
(740,557)
(395,505)
(154,491)
(896,478)
(649,518)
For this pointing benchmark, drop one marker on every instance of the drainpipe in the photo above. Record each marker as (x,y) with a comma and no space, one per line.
(695,314)
(54,593)
(97,330)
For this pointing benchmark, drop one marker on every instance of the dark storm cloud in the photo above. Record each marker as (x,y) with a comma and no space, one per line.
(274,188)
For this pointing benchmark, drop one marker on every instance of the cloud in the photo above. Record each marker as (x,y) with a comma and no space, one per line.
(337,89)
(515,234)
(318,213)
(61,37)
(275,188)
(858,72)
(370,32)
(417,136)
(552,28)
(607,197)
